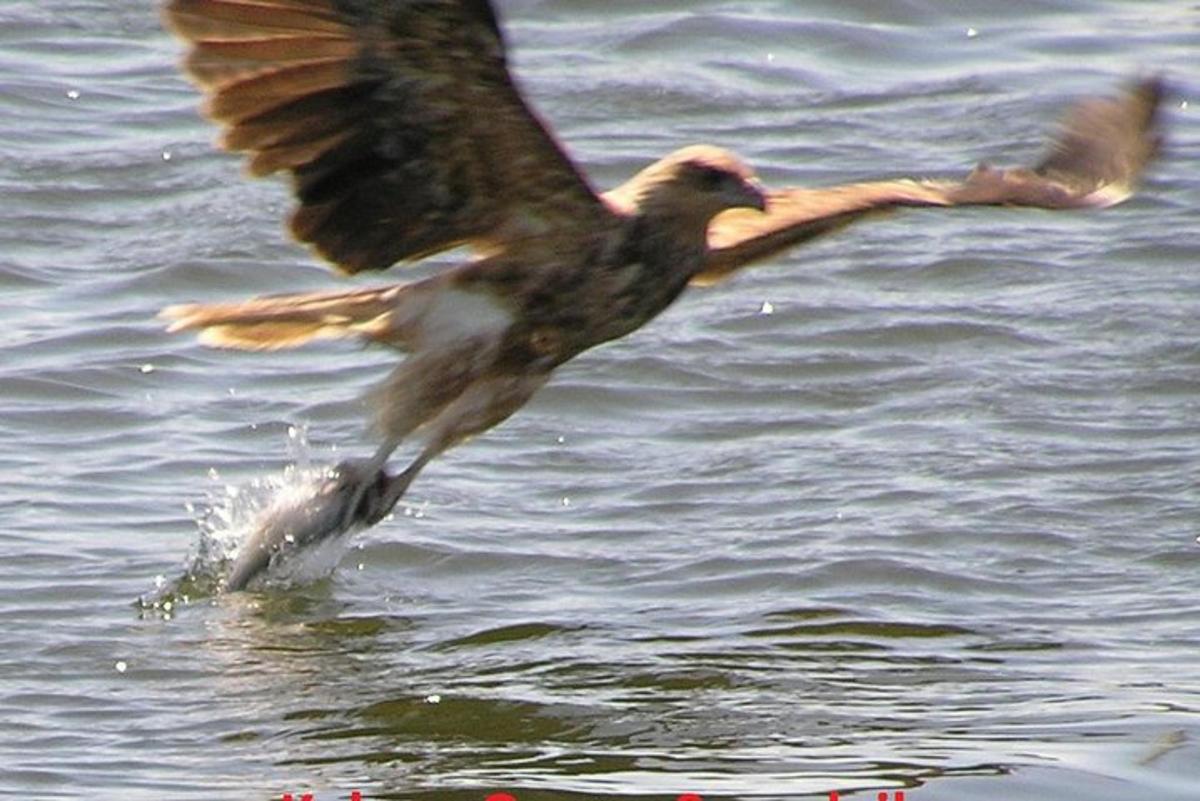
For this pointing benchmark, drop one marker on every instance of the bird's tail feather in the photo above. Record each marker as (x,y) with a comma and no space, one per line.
(288,321)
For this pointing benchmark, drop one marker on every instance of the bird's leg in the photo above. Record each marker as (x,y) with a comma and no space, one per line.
(364,479)
(378,461)
(382,495)
(357,471)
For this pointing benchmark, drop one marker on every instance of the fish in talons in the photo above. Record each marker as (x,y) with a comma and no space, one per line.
(355,496)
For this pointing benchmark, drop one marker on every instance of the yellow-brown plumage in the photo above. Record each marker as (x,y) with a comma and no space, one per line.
(287,321)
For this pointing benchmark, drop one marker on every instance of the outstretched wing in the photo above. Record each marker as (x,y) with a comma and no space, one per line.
(1100,152)
(398,119)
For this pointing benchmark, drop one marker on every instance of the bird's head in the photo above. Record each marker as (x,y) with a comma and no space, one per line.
(695,184)
(716,178)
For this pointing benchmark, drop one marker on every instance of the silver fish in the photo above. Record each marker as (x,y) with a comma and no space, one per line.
(353,497)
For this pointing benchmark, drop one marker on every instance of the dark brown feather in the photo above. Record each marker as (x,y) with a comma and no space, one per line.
(292,154)
(398,119)
(310,117)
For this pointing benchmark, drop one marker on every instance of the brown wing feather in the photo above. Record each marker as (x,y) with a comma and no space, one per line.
(1095,161)
(398,119)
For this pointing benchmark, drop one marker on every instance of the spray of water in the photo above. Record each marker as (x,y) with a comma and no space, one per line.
(229,517)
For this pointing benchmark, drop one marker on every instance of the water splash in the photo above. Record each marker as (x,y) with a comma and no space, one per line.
(232,514)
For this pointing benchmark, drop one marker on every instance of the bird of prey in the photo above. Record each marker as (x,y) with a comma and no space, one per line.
(405,135)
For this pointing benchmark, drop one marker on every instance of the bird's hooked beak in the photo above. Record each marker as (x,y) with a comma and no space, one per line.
(750,195)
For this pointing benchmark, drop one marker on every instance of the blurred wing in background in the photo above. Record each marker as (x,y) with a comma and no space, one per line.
(1100,152)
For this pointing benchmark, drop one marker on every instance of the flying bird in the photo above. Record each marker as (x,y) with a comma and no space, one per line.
(405,135)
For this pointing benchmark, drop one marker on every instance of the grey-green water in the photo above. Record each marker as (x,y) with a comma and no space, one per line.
(928,525)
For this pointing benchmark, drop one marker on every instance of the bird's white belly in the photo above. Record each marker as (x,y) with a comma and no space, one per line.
(456,316)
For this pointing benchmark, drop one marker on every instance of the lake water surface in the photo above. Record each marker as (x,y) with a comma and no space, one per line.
(915,508)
